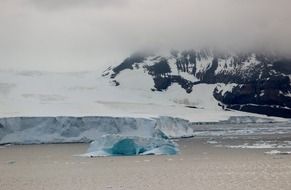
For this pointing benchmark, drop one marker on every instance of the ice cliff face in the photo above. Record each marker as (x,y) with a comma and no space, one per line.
(251,82)
(35,130)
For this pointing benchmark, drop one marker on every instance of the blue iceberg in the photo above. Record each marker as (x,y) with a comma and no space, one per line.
(117,145)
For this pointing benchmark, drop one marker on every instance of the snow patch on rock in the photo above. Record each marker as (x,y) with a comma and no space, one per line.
(224,88)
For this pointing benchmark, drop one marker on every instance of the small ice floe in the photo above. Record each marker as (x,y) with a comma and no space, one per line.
(5,146)
(117,145)
(263,145)
(212,142)
(277,152)
(252,146)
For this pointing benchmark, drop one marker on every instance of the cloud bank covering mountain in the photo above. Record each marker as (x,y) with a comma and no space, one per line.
(87,35)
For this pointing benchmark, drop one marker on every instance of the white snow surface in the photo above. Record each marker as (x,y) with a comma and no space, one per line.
(224,88)
(33,93)
(203,64)
(227,65)
(185,75)
(252,60)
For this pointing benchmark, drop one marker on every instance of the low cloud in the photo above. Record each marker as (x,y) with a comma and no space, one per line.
(84,35)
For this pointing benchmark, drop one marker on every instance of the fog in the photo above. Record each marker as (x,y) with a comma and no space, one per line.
(73,35)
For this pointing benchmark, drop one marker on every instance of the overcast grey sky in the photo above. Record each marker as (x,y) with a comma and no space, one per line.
(73,35)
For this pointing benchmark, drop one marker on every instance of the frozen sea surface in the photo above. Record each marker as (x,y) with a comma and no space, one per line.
(241,129)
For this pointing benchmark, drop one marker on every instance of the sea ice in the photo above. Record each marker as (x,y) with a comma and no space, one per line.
(263,145)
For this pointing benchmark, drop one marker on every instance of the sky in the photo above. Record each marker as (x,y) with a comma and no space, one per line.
(75,35)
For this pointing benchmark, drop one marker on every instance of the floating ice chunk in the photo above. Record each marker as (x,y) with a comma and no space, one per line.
(117,145)
(162,150)
(263,145)
(252,146)
(247,119)
(277,152)
(212,142)
(5,146)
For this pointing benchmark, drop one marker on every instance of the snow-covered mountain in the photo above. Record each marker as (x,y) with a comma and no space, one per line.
(188,85)
(170,93)
(250,82)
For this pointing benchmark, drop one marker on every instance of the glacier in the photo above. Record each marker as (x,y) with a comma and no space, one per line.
(39,130)
(26,94)
(118,145)
(64,129)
